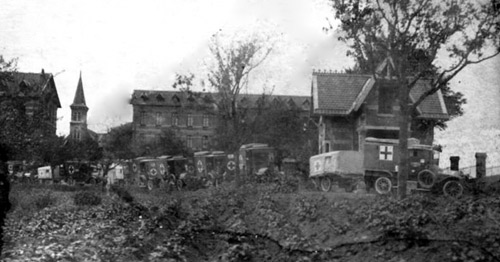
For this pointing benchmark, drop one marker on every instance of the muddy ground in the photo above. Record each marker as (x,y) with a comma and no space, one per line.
(254,222)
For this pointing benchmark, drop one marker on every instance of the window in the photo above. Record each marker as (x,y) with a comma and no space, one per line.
(159,119)
(326,146)
(386,97)
(190,120)
(77,116)
(175,119)
(189,141)
(142,118)
(205,142)
(206,121)
(76,134)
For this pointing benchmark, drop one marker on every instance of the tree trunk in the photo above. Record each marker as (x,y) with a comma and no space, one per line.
(403,139)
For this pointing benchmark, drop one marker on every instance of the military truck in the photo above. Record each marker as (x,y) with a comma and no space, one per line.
(376,167)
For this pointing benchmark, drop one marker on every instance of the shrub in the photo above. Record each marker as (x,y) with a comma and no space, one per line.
(44,200)
(87,199)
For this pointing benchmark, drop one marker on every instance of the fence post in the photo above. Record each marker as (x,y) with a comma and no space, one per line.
(480,165)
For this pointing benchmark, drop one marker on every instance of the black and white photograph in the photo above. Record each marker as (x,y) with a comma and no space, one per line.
(250,130)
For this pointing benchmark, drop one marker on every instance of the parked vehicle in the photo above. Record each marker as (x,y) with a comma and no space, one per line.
(80,171)
(256,161)
(377,167)
(214,167)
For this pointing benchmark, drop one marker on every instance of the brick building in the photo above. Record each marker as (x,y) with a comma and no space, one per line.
(352,107)
(192,116)
(38,94)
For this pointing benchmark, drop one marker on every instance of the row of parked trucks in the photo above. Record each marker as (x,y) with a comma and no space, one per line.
(374,168)
(208,168)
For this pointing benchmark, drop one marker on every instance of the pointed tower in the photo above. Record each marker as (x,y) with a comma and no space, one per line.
(78,124)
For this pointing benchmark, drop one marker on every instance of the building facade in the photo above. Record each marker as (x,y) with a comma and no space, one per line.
(37,94)
(193,117)
(353,107)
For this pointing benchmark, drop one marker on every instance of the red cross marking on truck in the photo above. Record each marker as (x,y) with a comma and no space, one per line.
(385,153)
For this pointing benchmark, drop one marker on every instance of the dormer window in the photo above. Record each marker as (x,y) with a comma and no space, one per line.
(176,99)
(306,105)
(144,97)
(291,103)
(160,98)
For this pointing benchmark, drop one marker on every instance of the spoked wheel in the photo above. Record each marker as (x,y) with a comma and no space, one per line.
(453,189)
(150,184)
(426,178)
(325,184)
(179,184)
(383,185)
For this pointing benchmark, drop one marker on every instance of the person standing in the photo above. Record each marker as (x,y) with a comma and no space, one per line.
(4,200)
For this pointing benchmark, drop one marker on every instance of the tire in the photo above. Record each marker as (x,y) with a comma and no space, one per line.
(383,185)
(453,189)
(426,179)
(325,184)
(150,185)
(93,182)
(179,184)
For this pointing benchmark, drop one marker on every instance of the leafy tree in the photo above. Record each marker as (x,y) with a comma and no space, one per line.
(291,133)
(119,142)
(465,32)
(168,143)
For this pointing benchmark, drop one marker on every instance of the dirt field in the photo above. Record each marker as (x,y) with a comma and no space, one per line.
(254,222)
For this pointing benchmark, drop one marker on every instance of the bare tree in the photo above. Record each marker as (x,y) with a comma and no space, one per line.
(465,32)
(229,77)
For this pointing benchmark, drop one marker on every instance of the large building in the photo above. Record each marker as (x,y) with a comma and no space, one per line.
(192,116)
(353,107)
(37,94)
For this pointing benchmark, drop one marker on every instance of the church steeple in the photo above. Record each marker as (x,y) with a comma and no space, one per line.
(79,99)
(78,124)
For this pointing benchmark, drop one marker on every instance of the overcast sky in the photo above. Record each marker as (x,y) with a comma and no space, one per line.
(122,45)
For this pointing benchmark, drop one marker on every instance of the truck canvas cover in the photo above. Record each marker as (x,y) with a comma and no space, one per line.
(336,162)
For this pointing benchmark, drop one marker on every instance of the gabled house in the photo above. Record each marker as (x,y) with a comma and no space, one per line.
(38,94)
(353,107)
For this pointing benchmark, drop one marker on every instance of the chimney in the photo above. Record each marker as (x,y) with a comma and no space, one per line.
(454,163)
(480,165)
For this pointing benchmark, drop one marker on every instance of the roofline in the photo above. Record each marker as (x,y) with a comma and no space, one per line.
(367,87)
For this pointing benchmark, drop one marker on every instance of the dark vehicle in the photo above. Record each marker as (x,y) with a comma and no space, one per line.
(214,167)
(81,172)
(182,170)
(377,168)
(256,161)
(17,170)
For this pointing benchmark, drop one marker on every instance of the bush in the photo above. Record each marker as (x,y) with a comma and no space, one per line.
(87,199)
(44,200)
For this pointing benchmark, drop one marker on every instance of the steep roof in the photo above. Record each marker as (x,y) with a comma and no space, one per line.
(79,99)
(342,94)
(29,85)
(177,98)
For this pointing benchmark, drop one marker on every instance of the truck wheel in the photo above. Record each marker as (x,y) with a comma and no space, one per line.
(383,185)
(150,184)
(326,184)
(426,179)
(453,188)
(180,184)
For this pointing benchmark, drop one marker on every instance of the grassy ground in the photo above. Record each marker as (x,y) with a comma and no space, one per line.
(250,223)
